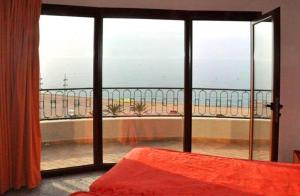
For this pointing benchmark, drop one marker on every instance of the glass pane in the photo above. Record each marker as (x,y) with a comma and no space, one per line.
(263,87)
(143,66)
(66,71)
(221,88)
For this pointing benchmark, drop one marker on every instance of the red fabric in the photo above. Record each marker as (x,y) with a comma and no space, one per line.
(147,171)
(20,146)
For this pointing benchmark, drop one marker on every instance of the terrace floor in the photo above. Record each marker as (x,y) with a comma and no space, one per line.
(71,154)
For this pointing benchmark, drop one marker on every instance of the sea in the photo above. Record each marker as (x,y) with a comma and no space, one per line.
(125,72)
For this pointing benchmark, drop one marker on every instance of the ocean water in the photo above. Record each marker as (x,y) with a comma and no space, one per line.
(125,72)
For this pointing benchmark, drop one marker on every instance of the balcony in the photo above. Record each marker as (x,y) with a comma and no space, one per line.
(220,123)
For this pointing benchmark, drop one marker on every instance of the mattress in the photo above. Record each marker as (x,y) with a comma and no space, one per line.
(150,171)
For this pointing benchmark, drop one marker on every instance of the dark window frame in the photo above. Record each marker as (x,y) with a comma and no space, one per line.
(275,16)
(98,14)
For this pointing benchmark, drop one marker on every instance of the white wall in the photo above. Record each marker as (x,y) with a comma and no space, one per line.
(290,46)
(153,128)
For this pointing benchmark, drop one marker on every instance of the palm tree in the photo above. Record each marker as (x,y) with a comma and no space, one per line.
(113,109)
(140,109)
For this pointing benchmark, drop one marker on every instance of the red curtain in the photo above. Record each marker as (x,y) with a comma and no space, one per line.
(20,145)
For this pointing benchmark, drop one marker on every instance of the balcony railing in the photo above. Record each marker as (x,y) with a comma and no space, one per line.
(74,103)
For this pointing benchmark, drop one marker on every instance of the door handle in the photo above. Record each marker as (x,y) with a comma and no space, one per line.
(271,106)
(276,107)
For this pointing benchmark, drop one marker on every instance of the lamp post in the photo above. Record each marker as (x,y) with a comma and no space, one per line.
(65,99)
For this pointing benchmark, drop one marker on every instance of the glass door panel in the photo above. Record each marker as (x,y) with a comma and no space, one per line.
(263,87)
(143,71)
(266,83)
(66,91)
(221,88)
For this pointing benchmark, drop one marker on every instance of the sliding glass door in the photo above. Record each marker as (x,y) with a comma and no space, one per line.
(235,100)
(143,79)
(66,91)
(221,88)
(113,80)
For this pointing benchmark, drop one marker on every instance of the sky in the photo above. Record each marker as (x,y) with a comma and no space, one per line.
(148,53)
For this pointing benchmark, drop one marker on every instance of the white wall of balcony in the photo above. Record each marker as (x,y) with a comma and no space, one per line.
(156,128)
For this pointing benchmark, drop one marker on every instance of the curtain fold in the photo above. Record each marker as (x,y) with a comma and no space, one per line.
(20,139)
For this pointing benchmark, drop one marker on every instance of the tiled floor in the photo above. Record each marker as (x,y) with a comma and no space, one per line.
(59,186)
(68,155)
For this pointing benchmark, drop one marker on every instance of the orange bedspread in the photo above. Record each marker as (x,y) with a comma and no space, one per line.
(148,171)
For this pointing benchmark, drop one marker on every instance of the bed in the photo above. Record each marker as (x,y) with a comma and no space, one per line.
(150,171)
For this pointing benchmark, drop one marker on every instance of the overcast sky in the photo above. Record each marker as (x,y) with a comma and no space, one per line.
(145,52)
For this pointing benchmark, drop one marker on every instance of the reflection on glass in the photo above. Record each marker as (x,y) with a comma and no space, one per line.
(263,72)
(66,64)
(143,63)
(221,88)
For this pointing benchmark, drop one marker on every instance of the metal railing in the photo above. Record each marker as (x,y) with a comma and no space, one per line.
(74,103)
